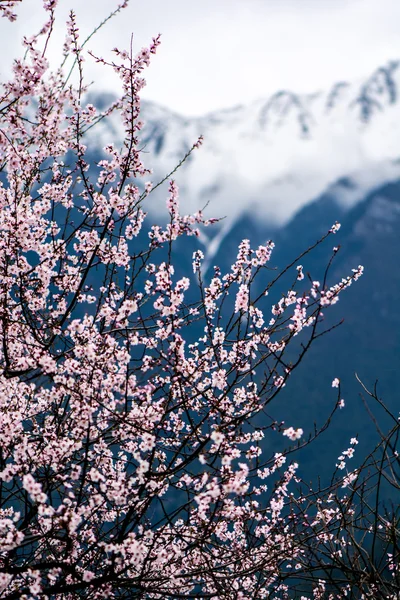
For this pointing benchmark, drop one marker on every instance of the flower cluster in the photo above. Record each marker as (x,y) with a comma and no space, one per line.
(132,397)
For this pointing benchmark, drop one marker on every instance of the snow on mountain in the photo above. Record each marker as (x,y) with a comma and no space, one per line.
(273,156)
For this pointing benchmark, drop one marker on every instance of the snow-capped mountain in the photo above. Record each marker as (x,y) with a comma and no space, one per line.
(272,157)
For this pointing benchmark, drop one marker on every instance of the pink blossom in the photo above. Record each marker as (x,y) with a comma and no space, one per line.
(242,298)
(335,227)
(293,434)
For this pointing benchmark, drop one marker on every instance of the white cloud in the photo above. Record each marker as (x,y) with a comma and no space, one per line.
(218,53)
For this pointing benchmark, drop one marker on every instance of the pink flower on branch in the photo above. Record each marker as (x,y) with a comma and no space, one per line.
(293,434)
(132,396)
(242,298)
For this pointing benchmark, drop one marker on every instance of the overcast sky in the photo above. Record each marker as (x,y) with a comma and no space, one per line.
(218,53)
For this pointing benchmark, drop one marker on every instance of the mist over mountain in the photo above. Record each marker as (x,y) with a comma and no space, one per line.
(286,168)
(269,159)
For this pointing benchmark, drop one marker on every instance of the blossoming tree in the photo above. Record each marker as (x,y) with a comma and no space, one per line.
(131,459)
